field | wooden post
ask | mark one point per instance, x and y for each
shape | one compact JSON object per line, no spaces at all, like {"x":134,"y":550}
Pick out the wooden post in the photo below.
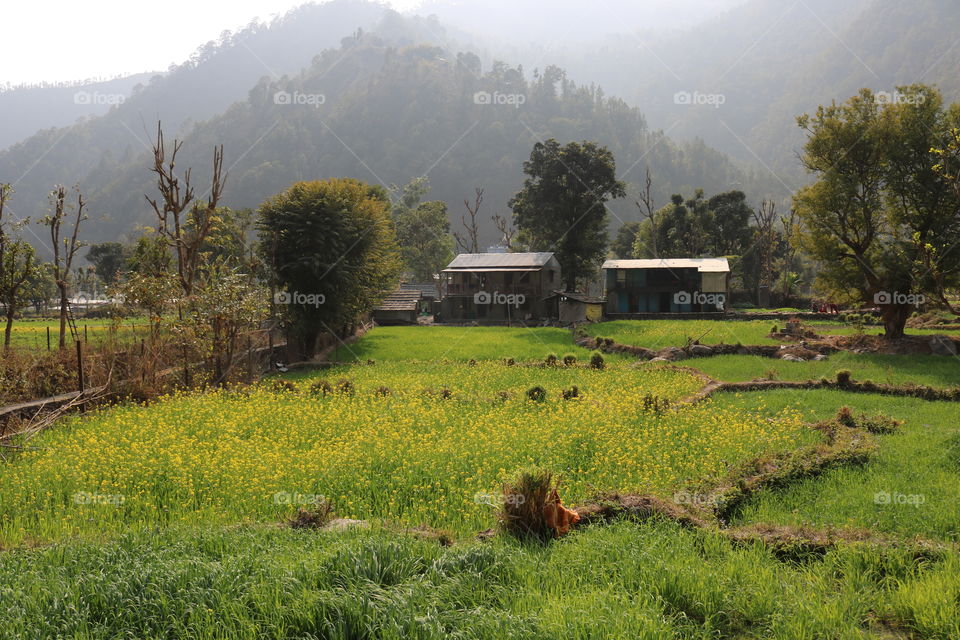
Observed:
{"x":250,"y":373}
{"x":48,"y":338}
{"x":269,"y":349}
{"x":85,"y":340}
{"x":80,"y":374}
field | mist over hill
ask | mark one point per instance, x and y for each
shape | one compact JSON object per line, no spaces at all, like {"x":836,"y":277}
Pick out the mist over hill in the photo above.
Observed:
{"x":704,"y":93}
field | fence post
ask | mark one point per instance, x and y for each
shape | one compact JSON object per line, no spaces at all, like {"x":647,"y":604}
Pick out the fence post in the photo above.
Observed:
{"x":83,"y":407}
{"x":250,"y":373}
{"x":48,"y":338}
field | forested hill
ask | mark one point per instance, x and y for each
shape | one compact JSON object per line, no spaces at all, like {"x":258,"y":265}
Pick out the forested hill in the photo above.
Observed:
{"x":380,"y":112}
{"x":771,"y":61}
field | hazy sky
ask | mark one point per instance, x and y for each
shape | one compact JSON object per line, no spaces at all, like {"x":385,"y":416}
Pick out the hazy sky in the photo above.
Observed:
{"x":56,"y":40}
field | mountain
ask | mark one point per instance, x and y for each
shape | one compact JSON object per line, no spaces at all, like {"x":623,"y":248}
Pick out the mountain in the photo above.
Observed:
{"x":739,"y":78}
{"x":380,"y":107}
{"x":28,"y":109}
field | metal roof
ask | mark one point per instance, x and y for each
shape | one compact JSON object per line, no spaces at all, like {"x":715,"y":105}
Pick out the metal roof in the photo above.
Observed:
{"x":703,"y":265}
{"x":468,"y":261}
{"x":492,"y":269}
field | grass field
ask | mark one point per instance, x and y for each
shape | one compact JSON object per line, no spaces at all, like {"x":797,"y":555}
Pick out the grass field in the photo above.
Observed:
{"x":162,"y":521}
{"x":462,"y":344}
{"x":32,"y":334}
{"x":921,"y":464}
{"x":655,"y":334}
{"x":935,"y":371}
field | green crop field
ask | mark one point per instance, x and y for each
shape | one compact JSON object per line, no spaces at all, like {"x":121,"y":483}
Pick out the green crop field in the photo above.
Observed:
{"x":168,"y":520}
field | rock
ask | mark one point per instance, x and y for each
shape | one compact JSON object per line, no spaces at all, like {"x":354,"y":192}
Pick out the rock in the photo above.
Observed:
{"x":672,"y":353}
{"x":791,"y":358}
{"x":819,"y":357}
{"x":658,"y":359}
{"x":701,"y":350}
{"x":942,"y":345}
{"x":743,"y":351}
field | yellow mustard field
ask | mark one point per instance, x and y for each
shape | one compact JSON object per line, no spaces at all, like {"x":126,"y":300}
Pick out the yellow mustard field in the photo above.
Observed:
{"x":406,"y":443}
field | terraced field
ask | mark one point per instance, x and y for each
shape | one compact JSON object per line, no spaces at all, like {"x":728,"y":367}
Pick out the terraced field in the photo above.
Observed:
{"x":167,"y":520}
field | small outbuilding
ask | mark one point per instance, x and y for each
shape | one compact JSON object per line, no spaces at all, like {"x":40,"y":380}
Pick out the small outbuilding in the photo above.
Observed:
{"x":575,"y":307}
{"x":400,"y":307}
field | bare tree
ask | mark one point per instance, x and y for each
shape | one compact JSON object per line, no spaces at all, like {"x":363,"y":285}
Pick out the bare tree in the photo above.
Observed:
{"x":648,"y":209}
{"x":64,"y":248}
{"x":183,"y":222}
{"x":470,"y":243}
{"x":16,"y":268}
{"x":506,"y":229}
{"x":764,"y":218}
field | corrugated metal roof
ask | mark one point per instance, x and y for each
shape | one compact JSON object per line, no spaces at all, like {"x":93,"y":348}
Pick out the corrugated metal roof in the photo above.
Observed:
{"x":400,"y":300}
{"x":466,"y":261}
{"x":492,"y":269}
{"x":703,"y":265}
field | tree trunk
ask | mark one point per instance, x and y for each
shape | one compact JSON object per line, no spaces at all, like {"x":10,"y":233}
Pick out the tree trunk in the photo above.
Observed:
{"x":895,"y":319}
{"x":63,"y":317}
{"x":9,"y":328}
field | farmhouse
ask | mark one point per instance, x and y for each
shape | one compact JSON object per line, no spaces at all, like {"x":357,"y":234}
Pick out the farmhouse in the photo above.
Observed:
{"x":673,"y":285}
{"x":498,"y":287}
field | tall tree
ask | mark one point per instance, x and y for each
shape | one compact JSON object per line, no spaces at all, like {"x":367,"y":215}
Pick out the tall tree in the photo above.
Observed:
{"x":16,"y":267}
{"x":184,"y":222}
{"x":470,"y":241}
{"x":561,"y":207}
{"x":65,"y":247}
{"x":332,"y":247}
{"x":108,"y":259}
{"x":423,"y":231}
{"x":879,"y":217}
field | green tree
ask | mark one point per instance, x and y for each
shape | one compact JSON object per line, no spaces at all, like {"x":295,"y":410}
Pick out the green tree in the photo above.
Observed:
{"x":332,"y":246}
{"x":423,"y":231}
{"x":879,"y":217}
{"x":561,"y":207}
{"x":108,"y":259}
{"x":16,"y":268}
{"x":623,"y":242}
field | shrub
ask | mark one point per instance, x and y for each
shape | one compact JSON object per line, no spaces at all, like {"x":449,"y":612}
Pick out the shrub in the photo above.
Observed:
{"x":344,"y":386}
{"x":569,"y":360}
{"x":383,"y":391}
{"x":371,"y":362}
{"x":314,"y":518}
{"x":844,"y":377}
{"x":596,"y":360}
{"x":472,"y":363}
{"x":321,"y":387}
{"x":551,"y":360}
{"x":572,"y":393}
{"x":282,"y":386}
{"x":510,"y":362}
{"x":537,"y":394}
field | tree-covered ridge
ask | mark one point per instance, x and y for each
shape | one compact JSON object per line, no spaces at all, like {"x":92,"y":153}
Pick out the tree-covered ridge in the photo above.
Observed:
{"x":385,"y":114}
